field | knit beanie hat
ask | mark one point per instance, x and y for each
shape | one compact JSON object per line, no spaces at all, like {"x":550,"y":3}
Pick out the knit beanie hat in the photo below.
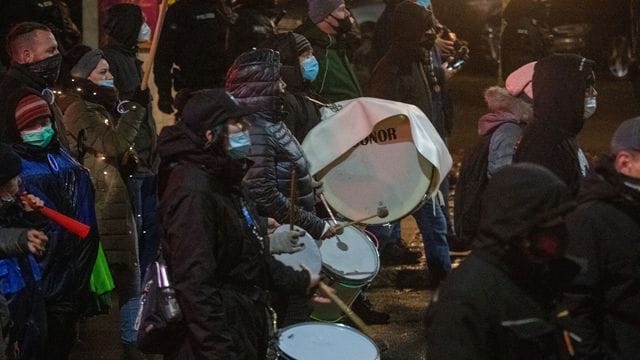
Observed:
{"x":320,"y":9}
{"x":30,"y":109}
{"x":10,"y":163}
{"x":87,"y":63}
{"x":302,"y":44}
{"x":627,"y":136}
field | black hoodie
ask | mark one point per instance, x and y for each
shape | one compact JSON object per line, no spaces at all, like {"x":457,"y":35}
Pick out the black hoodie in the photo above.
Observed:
{"x":559,"y":82}
{"x":219,"y":265}
{"x":499,"y":304}
{"x":604,"y":236}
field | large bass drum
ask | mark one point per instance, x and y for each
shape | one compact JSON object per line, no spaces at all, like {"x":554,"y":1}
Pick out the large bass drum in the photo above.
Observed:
{"x":374,"y":153}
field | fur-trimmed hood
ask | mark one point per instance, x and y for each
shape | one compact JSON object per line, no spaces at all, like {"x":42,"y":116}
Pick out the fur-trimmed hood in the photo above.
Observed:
{"x":503,"y":107}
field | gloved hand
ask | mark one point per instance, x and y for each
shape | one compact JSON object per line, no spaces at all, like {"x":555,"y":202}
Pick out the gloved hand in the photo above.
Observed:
{"x":165,"y":104}
{"x":286,"y":242}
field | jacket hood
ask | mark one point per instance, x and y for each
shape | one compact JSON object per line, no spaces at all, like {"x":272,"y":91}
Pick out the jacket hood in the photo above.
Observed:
{"x":409,"y":23}
{"x":254,"y":80}
{"x":517,"y":198}
{"x":559,"y":84}
{"x":503,"y":108}
{"x":605,"y":184}
{"x":123,"y":24}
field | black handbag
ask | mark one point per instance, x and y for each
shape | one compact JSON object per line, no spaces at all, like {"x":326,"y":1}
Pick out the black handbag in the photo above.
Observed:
{"x":159,"y":323}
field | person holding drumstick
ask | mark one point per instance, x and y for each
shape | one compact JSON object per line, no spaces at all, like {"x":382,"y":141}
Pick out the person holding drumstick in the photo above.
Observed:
{"x":215,"y":246}
{"x":254,"y":80}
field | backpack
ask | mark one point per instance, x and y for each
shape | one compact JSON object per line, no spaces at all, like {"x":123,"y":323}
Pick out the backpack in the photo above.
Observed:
{"x":471,"y":184}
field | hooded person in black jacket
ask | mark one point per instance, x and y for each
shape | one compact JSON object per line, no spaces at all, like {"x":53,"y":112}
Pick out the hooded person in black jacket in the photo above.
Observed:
{"x":216,"y":248}
{"x":499,"y":304}
{"x":565,"y":98}
{"x":401,"y":74}
{"x":605,"y":238}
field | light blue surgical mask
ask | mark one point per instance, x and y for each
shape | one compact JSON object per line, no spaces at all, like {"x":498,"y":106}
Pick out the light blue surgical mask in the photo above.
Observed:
{"x":106,"y":83}
{"x":239,"y":144}
{"x":310,"y":68}
{"x":424,"y":3}
{"x":40,"y":137}
{"x":590,"y":105}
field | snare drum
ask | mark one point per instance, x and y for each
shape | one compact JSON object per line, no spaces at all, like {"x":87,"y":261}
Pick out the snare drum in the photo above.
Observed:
{"x":321,"y":341}
{"x":310,"y":256}
{"x":349,"y":261}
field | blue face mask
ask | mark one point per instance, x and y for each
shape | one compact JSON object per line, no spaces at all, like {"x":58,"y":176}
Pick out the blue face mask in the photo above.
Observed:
{"x":106,"y":83}
{"x":239,"y":144}
{"x":40,"y":137}
{"x":423,"y":3}
{"x":310,"y":68}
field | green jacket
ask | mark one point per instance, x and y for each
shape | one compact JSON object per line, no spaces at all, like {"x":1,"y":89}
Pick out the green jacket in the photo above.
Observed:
{"x":102,"y":144}
{"x":336,"y":80}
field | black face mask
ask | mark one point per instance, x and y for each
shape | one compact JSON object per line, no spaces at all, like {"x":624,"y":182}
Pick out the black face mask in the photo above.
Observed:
{"x":549,"y":242}
{"x":46,"y":70}
{"x":344,"y":25}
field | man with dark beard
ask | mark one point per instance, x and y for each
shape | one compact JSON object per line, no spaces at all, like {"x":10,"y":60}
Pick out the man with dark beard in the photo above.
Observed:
{"x":499,"y":304}
{"x":605,"y":237}
{"x":215,"y":246}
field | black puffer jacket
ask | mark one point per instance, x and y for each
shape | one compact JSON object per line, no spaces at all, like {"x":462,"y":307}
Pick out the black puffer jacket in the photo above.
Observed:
{"x":499,"y":304}
{"x":220,"y":268}
{"x":559,"y":82}
{"x":254,"y":81}
{"x":605,"y":236}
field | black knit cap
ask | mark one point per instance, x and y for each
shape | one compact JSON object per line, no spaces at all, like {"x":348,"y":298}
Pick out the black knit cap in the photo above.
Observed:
{"x":10,"y":163}
{"x":209,"y":108}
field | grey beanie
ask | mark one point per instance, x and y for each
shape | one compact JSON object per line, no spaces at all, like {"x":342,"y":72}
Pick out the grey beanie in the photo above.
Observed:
{"x":627,"y":136}
{"x":86,"y":64}
{"x":320,"y":9}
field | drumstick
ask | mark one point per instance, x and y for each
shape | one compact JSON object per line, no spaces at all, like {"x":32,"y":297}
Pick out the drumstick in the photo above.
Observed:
{"x":336,"y":300}
{"x":324,"y":202}
{"x":292,"y":200}
{"x":381,"y":213}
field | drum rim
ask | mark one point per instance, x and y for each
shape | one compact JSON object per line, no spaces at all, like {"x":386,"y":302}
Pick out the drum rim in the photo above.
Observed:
{"x":306,"y":323}
{"x":346,"y":281}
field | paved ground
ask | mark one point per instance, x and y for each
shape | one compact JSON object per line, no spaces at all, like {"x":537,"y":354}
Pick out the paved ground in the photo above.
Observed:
{"x":99,"y":336}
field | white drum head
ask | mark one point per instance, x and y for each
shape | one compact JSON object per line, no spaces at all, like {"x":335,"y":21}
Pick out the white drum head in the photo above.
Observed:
{"x":319,"y":341}
{"x":383,"y":169}
{"x":350,"y":257}
{"x":309,"y":257}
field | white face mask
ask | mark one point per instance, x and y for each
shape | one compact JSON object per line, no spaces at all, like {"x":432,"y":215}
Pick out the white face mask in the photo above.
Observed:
{"x":589,"y":106}
{"x":145,"y":33}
